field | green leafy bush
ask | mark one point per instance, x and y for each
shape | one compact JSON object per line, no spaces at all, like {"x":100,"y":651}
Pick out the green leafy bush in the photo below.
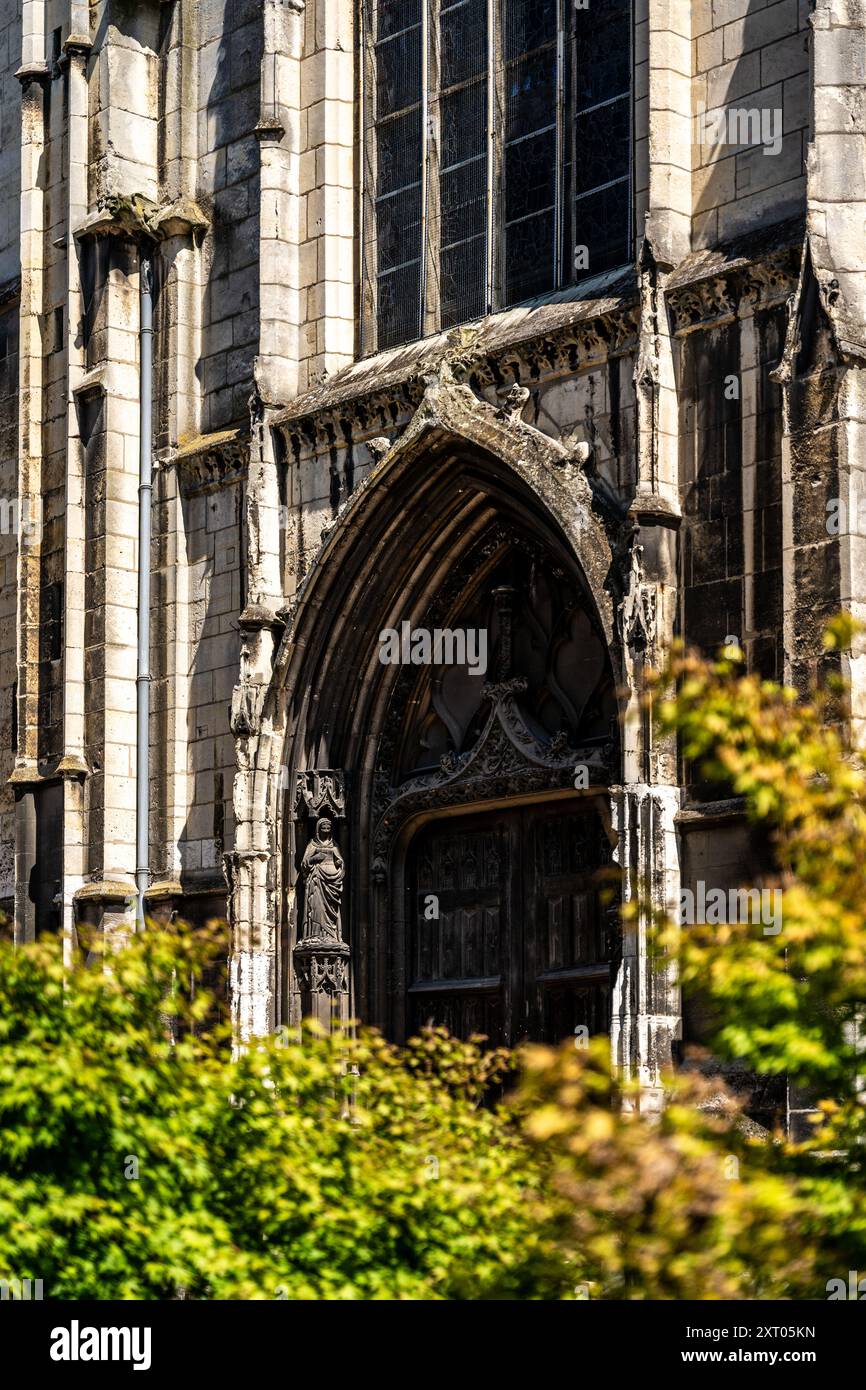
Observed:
{"x":140,"y":1159}
{"x":134,"y":1166}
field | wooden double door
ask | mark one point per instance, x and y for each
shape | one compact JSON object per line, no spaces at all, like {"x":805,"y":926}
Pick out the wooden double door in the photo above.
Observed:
{"x":512,"y":923}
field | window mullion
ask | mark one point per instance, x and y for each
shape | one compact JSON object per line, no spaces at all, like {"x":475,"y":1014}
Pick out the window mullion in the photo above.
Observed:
{"x":560,"y":123}
{"x":425,"y":159}
{"x":497,"y":175}
{"x":431,"y":103}
{"x":490,"y":249}
{"x":367,"y":216}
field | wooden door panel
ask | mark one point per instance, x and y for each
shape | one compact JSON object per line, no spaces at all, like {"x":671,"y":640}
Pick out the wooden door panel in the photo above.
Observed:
{"x":518,"y":946}
{"x":462,"y":943}
{"x":464,"y":1015}
{"x":574,"y":928}
{"x":567,"y":1007}
{"x":568,"y":966}
{"x":457,"y":878}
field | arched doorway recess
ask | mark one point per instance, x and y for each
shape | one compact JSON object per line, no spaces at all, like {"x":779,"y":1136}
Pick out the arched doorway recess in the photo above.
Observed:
{"x":471,"y":516}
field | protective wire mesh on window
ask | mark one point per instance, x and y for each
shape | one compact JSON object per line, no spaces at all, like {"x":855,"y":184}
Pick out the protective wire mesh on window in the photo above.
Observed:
{"x":497,"y":151}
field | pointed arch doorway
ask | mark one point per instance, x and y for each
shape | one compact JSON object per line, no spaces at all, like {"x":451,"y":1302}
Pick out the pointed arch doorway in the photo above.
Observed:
{"x":472,"y":521}
{"x":498,"y":910}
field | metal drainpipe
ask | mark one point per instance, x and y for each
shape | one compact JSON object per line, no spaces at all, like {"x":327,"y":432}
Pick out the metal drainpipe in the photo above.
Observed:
{"x":142,"y":680}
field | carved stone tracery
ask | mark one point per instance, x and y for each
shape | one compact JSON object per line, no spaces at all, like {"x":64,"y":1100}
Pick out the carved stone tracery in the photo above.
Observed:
{"x":322,"y":971}
{"x":512,"y":756}
{"x":637,"y":610}
{"x":716,"y":298}
{"x":320,"y":792}
{"x":246,"y":709}
{"x":473,"y":359}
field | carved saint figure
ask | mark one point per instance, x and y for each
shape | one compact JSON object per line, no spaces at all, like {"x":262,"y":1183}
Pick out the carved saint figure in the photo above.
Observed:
{"x":323,"y":872}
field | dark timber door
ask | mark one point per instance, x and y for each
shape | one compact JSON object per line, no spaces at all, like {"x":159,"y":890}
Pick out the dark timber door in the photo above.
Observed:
{"x":508,"y":933}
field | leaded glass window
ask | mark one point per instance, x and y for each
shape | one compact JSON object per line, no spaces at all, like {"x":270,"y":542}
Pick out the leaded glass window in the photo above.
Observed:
{"x":529,"y":174}
{"x":497,"y":152}
{"x":399,"y":190}
{"x":462,"y":152}
{"x":599,"y":133}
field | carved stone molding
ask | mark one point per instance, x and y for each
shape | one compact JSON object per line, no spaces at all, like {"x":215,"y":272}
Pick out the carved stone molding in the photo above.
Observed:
{"x":365,"y":418}
{"x":207,"y":467}
{"x":379,"y":872}
{"x":509,"y":760}
{"x":322,"y":967}
{"x":774,"y":280}
{"x":513,"y":404}
{"x":320,"y":792}
{"x":489,"y":549}
{"x":713,"y":299}
{"x":331,"y":416}
{"x":703,"y":304}
{"x":637,"y":611}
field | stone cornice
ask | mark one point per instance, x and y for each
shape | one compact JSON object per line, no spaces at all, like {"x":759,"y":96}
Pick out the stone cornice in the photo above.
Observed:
{"x":718,"y":299}
{"x":105,"y":890}
{"x":210,"y":461}
{"x":697,"y":814}
{"x":378,"y":408}
{"x":78,"y":45}
{"x":715,"y":286}
{"x":33,"y":72}
{"x":121,"y":216}
{"x":163,"y":888}
{"x":28,"y":775}
{"x":256,"y":616}
{"x":180,"y":218}
{"x":269,"y":128}
{"x":72,"y":766}
{"x":560,"y":334}
{"x":651,"y":508}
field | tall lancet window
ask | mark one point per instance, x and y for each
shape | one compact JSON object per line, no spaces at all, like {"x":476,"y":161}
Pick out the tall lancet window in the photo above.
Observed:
{"x":497,"y":156}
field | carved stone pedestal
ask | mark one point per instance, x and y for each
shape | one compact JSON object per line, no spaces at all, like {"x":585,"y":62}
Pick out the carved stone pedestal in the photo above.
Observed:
{"x":322,"y":971}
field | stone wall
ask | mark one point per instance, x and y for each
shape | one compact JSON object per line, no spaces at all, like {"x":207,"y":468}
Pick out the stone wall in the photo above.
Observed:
{"x":751,"y":65}
{"x":328,"y":93}
{"x":8,"y":590}
{"x":10,"y":139}
{"x":10,"y":184}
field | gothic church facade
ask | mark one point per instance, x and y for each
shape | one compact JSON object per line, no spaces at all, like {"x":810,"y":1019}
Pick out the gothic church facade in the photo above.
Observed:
{"x":527,"y":324}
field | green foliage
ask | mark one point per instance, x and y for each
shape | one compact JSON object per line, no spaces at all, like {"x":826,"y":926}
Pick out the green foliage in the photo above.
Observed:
{"x":787,"y":1003}
{"x":679,"y":1205}
{"x":139,"y":1158}
{"x":309,"y":1167}
{"x":791,"y":1003}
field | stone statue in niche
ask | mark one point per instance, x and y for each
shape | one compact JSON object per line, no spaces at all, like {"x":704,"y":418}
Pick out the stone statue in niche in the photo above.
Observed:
{"x":323,"y":872}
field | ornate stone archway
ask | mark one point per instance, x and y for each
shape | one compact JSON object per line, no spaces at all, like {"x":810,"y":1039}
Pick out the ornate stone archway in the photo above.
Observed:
{"x":465,"y":479}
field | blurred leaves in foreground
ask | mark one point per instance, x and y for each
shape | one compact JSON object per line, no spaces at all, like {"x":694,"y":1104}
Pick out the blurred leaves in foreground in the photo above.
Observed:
{"x":140,"y":1159}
